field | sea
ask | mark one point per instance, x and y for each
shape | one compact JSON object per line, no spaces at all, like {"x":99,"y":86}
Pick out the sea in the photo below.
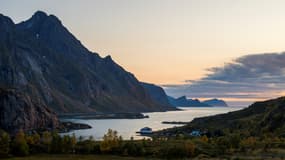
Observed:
{"x":127,"y":128}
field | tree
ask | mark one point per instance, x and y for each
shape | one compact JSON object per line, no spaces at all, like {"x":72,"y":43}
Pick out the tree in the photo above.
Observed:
{"x":4,"y":144}
{"x":57,"y":143}
{"x":33,"y":139}
{"x":34,"y":143}
{"x":110,"y":141}
{"x":73,"y":142}
{"x":46,"y":140}
{"x":68,"y":143}
{"x":65,"y":144}
{"x":20,"y":146}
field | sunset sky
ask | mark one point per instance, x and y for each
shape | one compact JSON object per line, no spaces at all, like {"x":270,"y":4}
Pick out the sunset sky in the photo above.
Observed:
{"x":180,"y":44}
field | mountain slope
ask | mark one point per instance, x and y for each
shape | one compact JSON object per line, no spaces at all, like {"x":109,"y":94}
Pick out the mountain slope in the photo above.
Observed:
{"x":20,"y":111}
{"x":157,"y":94}
{"x":41,"y":58}
{"x":258,"y":119}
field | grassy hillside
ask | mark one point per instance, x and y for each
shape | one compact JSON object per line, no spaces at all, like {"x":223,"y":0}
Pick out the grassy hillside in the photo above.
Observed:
{"x":259,"y":119}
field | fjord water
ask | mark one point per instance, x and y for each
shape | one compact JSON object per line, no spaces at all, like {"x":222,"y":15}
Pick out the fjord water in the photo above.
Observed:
{"x":127,"y":127}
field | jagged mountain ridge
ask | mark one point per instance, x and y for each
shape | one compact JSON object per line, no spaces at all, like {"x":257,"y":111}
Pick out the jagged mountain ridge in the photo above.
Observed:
{"x":41,"y":58}
{"x":183,"y":101}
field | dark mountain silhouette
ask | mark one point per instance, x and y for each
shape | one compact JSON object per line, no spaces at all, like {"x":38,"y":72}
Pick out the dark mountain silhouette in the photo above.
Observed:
{"x":216,"y":103}
{"x":43,"y":61}
{"x":157,"y":94}
{"x":184,"y":102}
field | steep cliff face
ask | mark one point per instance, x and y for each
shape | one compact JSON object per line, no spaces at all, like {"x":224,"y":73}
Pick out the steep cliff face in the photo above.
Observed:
{"x":20,"y":111}
{"x":42,"y":59}
{"x":157,"y":94}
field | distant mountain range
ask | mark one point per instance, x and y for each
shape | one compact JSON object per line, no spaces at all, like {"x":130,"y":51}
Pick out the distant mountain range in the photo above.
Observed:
{"x":184,"y":102}
{"x":45,"y":69}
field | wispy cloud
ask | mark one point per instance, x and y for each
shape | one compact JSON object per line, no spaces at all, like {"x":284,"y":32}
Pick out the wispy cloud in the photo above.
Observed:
{"x":258,"y":76}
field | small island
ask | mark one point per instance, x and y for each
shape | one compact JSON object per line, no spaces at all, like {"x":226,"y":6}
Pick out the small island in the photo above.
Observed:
{"x":174,"y":122}
{"x":102,"y":116}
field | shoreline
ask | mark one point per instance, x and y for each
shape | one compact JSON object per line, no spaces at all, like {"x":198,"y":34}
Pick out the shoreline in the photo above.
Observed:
{"x":87,"y":116}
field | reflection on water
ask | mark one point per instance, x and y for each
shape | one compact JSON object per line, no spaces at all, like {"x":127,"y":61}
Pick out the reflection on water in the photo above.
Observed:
{"x":128,"y":127}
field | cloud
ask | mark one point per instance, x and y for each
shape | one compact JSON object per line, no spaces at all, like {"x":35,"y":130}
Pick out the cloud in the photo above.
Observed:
{"x":258,"y":76}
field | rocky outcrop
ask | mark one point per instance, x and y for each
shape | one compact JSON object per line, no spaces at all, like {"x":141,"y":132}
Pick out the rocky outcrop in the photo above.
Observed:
{"x":41,"y":58}
{"x":20,"y":111}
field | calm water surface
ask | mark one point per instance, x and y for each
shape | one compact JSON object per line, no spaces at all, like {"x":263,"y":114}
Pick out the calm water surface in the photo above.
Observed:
{"x":127,"y":127}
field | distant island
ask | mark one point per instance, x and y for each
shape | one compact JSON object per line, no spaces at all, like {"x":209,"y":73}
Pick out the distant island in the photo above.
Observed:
{"x":184,"y":102}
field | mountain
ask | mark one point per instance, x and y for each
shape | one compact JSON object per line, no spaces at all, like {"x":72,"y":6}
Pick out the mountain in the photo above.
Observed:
{"x":20,"y":111}
{"x":157,"y":94}
{"x":184,"y":102}
{"x":172,"y":101}
{"x":43,"y":60}
{"x":260,"y":118}
{"x":216,"y":103}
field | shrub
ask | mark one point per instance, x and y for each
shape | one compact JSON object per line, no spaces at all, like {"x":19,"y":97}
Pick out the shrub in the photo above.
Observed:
{"x":4,"y":144}
{"x":19,"y":144}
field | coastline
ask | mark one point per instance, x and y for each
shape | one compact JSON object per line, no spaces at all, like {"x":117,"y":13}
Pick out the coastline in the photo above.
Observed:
{"x":87,"y":116}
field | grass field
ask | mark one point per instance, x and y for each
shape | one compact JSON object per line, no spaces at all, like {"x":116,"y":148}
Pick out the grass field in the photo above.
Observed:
{"x":77,"y":157}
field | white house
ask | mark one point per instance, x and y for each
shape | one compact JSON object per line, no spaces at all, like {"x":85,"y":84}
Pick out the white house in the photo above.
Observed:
{"x":146,"y":130}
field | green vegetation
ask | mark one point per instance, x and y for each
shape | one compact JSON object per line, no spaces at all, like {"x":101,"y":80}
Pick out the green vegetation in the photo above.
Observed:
{"x":50,"y":145}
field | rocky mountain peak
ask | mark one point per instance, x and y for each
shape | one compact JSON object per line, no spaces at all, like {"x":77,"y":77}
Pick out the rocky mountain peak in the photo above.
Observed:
{"x":5,"y":23}
{"x":39,"y":15}
{"x":51,"y":31}
{"x":5,"y":20}
{"x":40,"y":21}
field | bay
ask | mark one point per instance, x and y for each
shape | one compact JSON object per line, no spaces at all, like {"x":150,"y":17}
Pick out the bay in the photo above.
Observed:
{"x":127,"y":128}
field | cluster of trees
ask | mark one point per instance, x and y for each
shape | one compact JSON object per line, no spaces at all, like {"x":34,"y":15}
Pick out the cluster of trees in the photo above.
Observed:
{"x":24,"y":144}
{"x":52,"y":143}
{"x":180,"y":146}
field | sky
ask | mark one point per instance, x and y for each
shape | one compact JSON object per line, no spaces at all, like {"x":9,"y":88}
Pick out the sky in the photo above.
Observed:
{"x":188,"y":46}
